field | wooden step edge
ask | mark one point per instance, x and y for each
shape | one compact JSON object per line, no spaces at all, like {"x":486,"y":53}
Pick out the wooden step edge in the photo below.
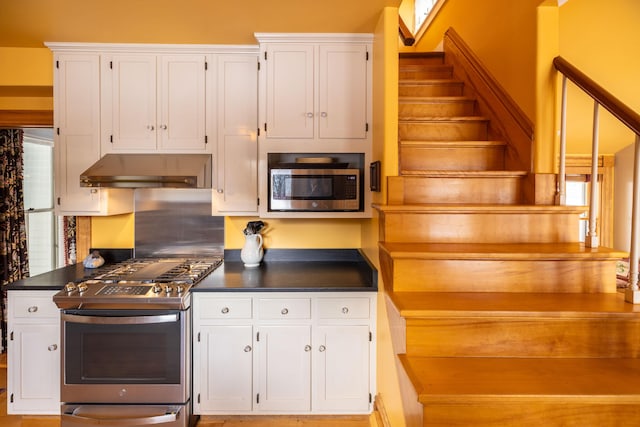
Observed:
{"x":507,"y":380}
{"x":429,"y":82}
{"x":411,"y":143}
{"x":479,"y":208}
{"x":425,"y":66}
{"x":434,"y":99}
{"x":504,"y":251}
{"x":417,"y":307}
{"x":440,"y":119}
{"x":429,"y":54}
{"x":464,"y":174}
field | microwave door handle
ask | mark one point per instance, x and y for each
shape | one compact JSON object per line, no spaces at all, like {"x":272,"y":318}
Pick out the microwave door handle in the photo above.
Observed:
{"x":114,"y":320}
{"x":170,"y":415}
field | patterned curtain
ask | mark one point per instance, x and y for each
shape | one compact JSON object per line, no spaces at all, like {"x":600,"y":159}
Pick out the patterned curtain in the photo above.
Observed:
{"x":14,"y":264}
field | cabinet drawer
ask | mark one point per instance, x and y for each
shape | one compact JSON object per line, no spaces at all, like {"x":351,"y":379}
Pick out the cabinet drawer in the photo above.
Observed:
{"x":227,"y":308}
{"x":284,"y":308}
{"x":29,"y":306}
{"x":343,"y":308}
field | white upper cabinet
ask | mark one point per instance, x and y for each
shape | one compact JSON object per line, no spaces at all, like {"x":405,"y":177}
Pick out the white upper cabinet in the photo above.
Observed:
{"x":315,"y":87}
{"x":154,"y":103}
{"x":77,"y":138}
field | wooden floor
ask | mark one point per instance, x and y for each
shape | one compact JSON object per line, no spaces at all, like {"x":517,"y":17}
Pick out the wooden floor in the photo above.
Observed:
{"x":208,"y":421}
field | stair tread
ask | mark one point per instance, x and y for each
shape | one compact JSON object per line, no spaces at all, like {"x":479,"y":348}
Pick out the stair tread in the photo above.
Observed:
{"x":479,"y":208}
{"x":433,"y":99}
{"x":463,"y":174}
{"x":428,"y":82}
{"x":422,"y":305}
{"x":473,"y":380}
{"x":452,"y":144}
{"x":529,"y":251}
{"x":441,"y":119}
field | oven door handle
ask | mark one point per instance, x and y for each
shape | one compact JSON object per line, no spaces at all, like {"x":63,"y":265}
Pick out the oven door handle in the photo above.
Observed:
{"x":73,"y":416}
{"x":120,"y":320}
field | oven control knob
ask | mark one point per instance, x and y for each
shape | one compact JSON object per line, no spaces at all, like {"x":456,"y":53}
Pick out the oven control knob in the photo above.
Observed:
{"x":168,"y":289}
{"x":180,"y":289}
{"x":157,"y":288}
{"x":82,"y":287}
{"x":70,"y":287}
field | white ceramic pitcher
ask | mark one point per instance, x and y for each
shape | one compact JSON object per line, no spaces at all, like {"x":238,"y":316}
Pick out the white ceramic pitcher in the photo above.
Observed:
{"x":252,"y":252}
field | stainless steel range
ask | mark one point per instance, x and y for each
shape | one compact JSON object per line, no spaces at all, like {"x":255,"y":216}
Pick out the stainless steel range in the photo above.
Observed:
{"x":126,"y":353}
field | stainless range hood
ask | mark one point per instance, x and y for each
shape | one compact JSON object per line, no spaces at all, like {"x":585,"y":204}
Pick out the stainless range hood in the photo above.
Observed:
{"x":149,"y":171}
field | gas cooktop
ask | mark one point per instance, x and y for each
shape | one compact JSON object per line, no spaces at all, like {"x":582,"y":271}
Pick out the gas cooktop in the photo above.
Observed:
{"x":138,"y":283}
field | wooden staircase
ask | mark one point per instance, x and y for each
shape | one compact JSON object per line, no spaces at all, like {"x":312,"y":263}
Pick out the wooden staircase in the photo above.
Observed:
{"x":504,"y":318}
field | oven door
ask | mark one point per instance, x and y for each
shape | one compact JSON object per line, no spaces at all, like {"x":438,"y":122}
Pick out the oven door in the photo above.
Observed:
{"x":125,"y":356}
{"x":125,"y":416}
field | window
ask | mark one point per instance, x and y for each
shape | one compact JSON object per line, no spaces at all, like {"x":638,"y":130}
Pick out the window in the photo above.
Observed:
{"x":422,"y":10}
{"x":40,"y":220}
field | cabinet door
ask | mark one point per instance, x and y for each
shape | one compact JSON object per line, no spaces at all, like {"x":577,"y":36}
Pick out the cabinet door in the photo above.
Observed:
{"x":132,"y":92}
{"x":77,"y":136}
{"x":341,"y":368}
{"x":181,"y":101}
{"x":290,"y":105}
{"x":236,"y":188}
{"x":342,"y":91}
{"x":284,"y":368}
{"x":223,"y":361}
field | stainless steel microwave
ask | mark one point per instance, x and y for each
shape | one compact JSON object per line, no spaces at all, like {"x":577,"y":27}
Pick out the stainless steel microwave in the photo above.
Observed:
{"x":314,"y":189}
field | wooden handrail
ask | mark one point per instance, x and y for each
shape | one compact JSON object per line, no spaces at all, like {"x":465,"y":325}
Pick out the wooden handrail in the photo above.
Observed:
{"x":405,"y":33}
{"x":616,"y":107}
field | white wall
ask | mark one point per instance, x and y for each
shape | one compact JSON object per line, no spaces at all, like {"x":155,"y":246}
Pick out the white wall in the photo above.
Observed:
{"x":623,"y":197}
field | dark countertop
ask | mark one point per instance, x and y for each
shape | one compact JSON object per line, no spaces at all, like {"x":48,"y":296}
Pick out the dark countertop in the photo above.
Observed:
{"x":288,"y":270}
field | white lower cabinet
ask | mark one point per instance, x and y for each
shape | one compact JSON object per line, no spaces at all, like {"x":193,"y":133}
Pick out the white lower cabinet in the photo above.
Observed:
{"x":282,"y":353}
{"x":33,"y":375}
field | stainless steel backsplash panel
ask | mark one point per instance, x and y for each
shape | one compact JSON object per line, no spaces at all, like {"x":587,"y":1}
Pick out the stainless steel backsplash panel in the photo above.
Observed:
{"x":176,"y":223}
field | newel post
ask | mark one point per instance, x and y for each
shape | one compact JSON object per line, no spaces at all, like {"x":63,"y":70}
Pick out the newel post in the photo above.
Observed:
{"x":632,"y":293}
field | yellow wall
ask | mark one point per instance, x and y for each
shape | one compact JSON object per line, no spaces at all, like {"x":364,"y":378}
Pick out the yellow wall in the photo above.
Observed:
{"x":115,"y":231}
{"x":26,"y":79}
{"x":601,"y":39}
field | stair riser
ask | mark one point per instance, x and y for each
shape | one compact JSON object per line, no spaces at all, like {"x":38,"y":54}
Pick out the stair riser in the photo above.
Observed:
{"x":443,"y":131}
{"x":503,"y":275}
{"x":498,"y":336}
{"x":430,"y":89}
{"x":479,"y":227}
{"x":412,"y":190}
{"x":436,"y":108}
{"x":434,"y":60}
{"x":550,"y":412}
{"x":425,"y":72}
{"x":454,"y":158}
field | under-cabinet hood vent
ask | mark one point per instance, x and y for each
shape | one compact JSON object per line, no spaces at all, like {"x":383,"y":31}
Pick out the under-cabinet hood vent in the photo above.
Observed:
{"x":149,"y":171}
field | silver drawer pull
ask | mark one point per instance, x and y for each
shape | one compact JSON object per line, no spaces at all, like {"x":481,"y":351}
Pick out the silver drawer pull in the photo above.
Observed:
{"x":247,"y":349}
{"x":345,"y":310}
{"x":285,"y":311}
{"x":307,"y":348}
{"x":322,"y":348}
{"x":225,"y":310}
{"x":32,"y":309}
{"x":52,"y":347}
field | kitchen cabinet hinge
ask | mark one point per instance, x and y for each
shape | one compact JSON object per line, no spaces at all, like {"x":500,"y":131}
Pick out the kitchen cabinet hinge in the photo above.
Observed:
{"x":265,"y":127}
{"x":111,"y":65}
{"x":57,"y":64}
{"x":58,"y":201}
{"x":265,"y":55}
{"x":366,"y":127}
{"x":58,"y":131}
{"x":258,"y":398}
{"x":370,"y":398}
{"x":111,"y":139}
{"x":258,"y":65}
{"x":198,"y":397}
{"x":257,"y":336}
{"x":370,"y":337}
{"x":206,"y":139}
{"x":206,"y":66}
{"x":258,"y":201}
{"x":258,"y":130}
{"x":367,"y":56}
{"x":11,"y":336}
{"x":11,"y":399}
{"x":198,"y":336}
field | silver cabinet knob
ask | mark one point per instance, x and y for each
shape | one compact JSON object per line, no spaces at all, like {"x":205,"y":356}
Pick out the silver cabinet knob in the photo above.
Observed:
{"x":323,"y":114}
{"x":310,"y":115}
{"x":284,"y":311}
{"x":163,"y":127}
{"x":32,"y":309}
{"x":345,"y":310}
{"x":225,"y":310}
{"x":151,"y":127}
{"x":322,"y":348}
{"x":307,"y":348}
{"x":220,"y":190}
{"x":52,"y":347}
{"x":247,"y":349}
